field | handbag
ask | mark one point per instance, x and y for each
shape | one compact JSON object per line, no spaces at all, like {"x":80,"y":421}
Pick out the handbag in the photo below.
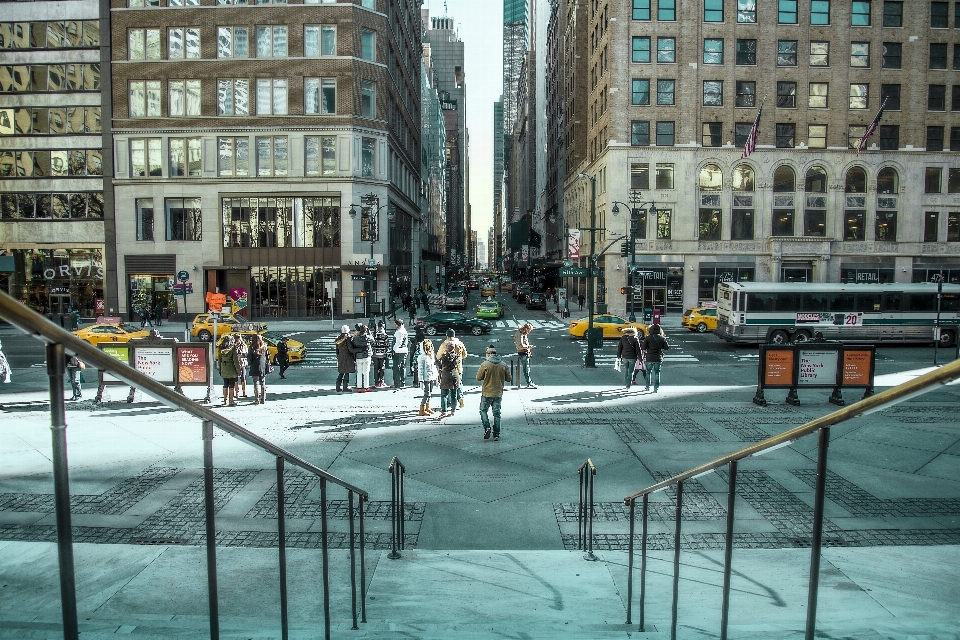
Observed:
{"x":616,"y":365}
{"x":639,"y":366}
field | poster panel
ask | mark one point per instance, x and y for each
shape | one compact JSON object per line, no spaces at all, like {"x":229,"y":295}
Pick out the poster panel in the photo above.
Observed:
{"x":192,"y":366}
{"x":573,"y":244}
{"x":778,"y":367}
{"x":818,"y":368}
{"x":117,"y":352}
{"x":156,"y":362}
{"x":856,"y":368}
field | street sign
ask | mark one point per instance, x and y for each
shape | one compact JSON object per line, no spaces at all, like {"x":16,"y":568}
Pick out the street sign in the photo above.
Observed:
{"x":371,"y":261}
{"x":574,"y":272}
{"x":183,"y":289}
{"x":370,"y":269}
{"x":363,"y":277}
{"x":183,"y":275}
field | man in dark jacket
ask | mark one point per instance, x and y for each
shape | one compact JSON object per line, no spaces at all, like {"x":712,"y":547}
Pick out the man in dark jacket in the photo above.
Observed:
{"x":283,"y":357}
{"x":654,"y":345}
{"x":628,"y":352}
{"x":346,"y":362}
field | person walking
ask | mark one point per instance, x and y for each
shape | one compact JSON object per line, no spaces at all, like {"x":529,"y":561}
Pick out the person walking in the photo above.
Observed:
{"x":5,"y":369}
{"x":74,"y":367}
{"x":228,"y":363}
{"x":628,"y":352}
{"x":363,"y":350}
{"x":399,"y":349}
{"x":418,"y":337}
{"x":450,"y":364}
{"x":580,"y":299}
{"x":241,"y":347}
{"x":412,"y":310}
{"x":283,"y":357}
{"x":427,"y":368}
{"x":492,"y":374}
{"x":453,"y":343}
{"x":426,"y":301}
{"x":346,"y":362}
{"x":258,"y":358}
{"x":381,"y":349}
{"x":158,"y":314}
{"x":524,"y":351}
{"x":654,"y":345}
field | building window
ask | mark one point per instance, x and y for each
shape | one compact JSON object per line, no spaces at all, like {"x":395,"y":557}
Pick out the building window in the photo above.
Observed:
{"x":955,"y":97}
{"x":712,"y":134}
{"x":860,"y":14}
{"x":185,"y":157}
{"x":819,"y":54}
{"x":368,"y":99}
{"x":889,"y":137}
{"x":784,"y":180}
{"x":710,"y":224}
{"x":892,"y":14}
{"x":183,"y":43}
{"x":320,"y":95}
{"x":368,"y":44}
{"x":888,"y":181}
{"x":936,"y":97}
{"x":271,"y":42}
{"x":953,"y":226}
{"x":935,"y":138}
{"x":320,"y":155}
{"x":713,"y":10}
{"x":233,"y":42}
{"x":938,"y":55}
{"x":786,"y":95}
{"x":665,"y":134}
{"x":817,"y":136}
{"x":271,"y":96}
{"x":272,"y":156}
{"x":782,"y":222}
{"x":641,"y":49}
{"x":931,"y":179}
{"x":856,"y":181}
{"x":713,"y":93}
{"x":931,"y":226}
{"x":664,"y":176}
{"x":860,"y":55}
{"x":143,"y":44}
{"x":858,"y":96}
{"x":817,"y":98}
{"x":939,"y":16}
{"x":183,"y":98}
{"x":953,"y":181}
{"x":666,"y":50}
{"x":814,"y":222}
{"x":367,"y":156}
{"x":666,"y":92}
{"x":234,"y":156}
{"x":854,"y":222}
{"x":183,"y":219}
{"x":741,"y":227}
{"x":854,"y":133}
{"x":144,"y":219}
{"x":640,"y":133}
{"x":786,"y":53}
{"x":233,"y":97}
{"x":746,"y":93}
{"x":320,"y":40}
{"x":369,"y":4}
{"x":820,"y":12}
{"x":641,"y":9}
{"x":886,"y":226}
{"x":713,"y":51}
{"x":787,"y":11}
{"x":663,"y":224}
{"x":892,"y":57}
{"x":145,"y":158}
{"x":747,"y":11}
{"x":666,"y":9}
{"x":640,"y":175}
{"x":954,"y":138}
{"x":956,"y":54}
{"x":891,"y":94}
{"x":144,"y":98}
{"x":786,"y":135}
{"x":741,"y":130}
{"x":746,"y":51}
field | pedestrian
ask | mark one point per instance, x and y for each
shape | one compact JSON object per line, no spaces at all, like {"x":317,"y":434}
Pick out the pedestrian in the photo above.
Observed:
{"x":405,"y":300}
{"x":450,"y":364}
{"x":74,"y":369}
{"x":144,"y":317}
{"x":283,"y":356}
{"x":258,"y":359}
{"x":363,"y":350}
{"x":346,"y":362}
{"x":426,"y":302}
{"x":524,"y":351}
{"x":158,"y":314}
{"x":412,"y":310}
{"x":628,"y":353}
{"x":492,"y":374}
{"x":381,"y":349}
{"x":427,"y":368}
{"x":241,"y":348}
{"x":228,"y":364}
{"x":418,"y":337}
{"x":399,"y":349}
{"x":453,"y":343}
{"x":654,"y":345}
{"x":5,"y":370}
{"x":580,"y":299}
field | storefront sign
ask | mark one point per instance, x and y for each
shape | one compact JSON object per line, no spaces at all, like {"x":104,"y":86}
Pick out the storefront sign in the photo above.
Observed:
{"x":239,"y":297}
{"x":216,"y":300}
{"x":98,"y":305}
{"x":66,"y":271}
{"x":155,"y":362}
{"x":192,"y":366}
{"x":118,"y":353}
{"x":818,"y":368}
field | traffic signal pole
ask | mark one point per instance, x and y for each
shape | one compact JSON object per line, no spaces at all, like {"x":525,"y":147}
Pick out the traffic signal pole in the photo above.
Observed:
{"x":589,"y":360}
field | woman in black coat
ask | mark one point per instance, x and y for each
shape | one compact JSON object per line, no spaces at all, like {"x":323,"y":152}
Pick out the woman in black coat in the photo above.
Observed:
{"x":418,"y":337}
{"x":346,"y":362}
{"x":258,"y":357}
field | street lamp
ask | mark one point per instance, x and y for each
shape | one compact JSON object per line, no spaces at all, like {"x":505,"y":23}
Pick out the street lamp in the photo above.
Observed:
{"x":590,"y":360}
{"x":636,"y":228}
{"x":554,"y":216}
{"x":372,"y":201}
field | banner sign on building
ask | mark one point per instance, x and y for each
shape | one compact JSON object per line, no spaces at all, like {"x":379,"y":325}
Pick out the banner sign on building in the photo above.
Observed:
{"x":573,"y":244}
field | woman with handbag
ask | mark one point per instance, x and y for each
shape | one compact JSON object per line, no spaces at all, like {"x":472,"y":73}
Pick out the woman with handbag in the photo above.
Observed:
{"x":258,"y":357}
{"x":628,"y":352}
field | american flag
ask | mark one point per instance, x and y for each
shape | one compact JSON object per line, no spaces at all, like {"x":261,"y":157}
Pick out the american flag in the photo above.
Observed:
{"x":871,"y":129}
{"x":751,"y":144}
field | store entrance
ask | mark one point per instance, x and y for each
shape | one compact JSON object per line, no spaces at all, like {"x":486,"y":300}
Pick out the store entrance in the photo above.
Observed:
{"x":60,"y":303}
{"x":655,"y":298}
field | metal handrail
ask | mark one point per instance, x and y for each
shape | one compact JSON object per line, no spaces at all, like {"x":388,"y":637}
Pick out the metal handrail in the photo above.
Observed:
{"x":587,"y":473}
{"x":58,"y":343}
{"x":397,"y":506}
{"x":910,"y":389}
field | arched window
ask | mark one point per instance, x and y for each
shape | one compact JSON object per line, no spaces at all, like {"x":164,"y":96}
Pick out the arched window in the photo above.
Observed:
{"x":743,"y":178}
{"x":856,"y":181}
{"x":888,"y":181}
{"x":815,"y":207}
{"x":816,"y":180}
{"x":784,"y":180}
{"x":711,"y":178}
{"x":744,"y":184}
{"x":888,"y":185}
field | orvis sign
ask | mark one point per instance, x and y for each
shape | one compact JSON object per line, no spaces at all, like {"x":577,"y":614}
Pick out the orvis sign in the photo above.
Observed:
{"x":66,"y":271}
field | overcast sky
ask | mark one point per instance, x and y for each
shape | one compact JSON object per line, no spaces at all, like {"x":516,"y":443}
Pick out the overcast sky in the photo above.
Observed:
{"x":480,"y":27}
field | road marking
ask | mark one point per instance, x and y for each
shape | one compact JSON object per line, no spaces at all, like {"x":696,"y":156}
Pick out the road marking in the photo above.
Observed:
{"x":295,"y":333}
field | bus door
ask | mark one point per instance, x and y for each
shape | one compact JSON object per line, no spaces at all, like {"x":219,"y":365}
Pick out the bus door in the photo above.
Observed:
{"x":891,"y":317}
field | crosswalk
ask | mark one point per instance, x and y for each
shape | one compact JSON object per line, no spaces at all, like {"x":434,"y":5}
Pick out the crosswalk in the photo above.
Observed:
{"x":607,"y":356}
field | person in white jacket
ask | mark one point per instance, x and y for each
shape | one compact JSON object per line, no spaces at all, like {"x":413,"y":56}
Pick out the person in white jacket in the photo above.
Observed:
{"x":427,"y":368}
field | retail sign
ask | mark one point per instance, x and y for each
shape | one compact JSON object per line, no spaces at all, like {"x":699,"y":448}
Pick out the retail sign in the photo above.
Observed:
{"x":216,"y":300}
{"x":98,"y":305}
{"x":67,"y":271}
{"x":239,"y":297}
{"x":183,"y":275}
{"x":121,"y":353}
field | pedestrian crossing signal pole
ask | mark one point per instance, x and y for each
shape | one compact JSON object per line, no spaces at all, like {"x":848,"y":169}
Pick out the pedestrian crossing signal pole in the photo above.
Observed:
{"x":589,"y":360}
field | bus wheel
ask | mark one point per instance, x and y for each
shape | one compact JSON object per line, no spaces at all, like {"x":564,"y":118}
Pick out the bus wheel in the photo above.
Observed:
{"x":801,"y":336}
{"x":947,"y":338}
{"x":779,"y":337}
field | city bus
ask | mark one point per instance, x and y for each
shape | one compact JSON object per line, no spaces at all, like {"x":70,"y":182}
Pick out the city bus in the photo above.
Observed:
{"x":782,"y":312}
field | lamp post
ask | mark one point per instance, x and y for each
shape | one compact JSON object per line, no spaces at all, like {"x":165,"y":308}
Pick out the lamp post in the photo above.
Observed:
{"x":371,"y":201}
{"x":566,"y":262}
{"x":635,"y":233}
{"x":936,"y":323}
{"x":589,"y":360}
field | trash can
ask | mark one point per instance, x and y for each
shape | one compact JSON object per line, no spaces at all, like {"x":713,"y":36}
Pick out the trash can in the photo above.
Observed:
{"x":595,"y":337}
{"x":647,"y":315}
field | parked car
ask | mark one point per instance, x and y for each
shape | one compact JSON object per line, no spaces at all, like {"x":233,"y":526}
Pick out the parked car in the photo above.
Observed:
{"x":700,"y":319}
{"x":456,"y":299}
{"x":612,"y":326}
{"x":106,"y":332}
{"x":202,"y":326}
{"x":490,"y":309}
{"x":439,"y":323}
{"x":536,"y":301}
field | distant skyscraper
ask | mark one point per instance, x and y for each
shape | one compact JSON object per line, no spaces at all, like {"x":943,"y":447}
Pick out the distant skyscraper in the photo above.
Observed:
{"x":516,"y":34}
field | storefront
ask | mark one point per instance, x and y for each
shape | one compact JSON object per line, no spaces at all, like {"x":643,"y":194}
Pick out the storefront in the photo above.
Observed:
{"x":711,"y":274}
{"x":58,"y":280}
{"x":662,"y":287}
{"x":928,"y":270}
{"x":150,"y":280}
{"x":883,"y":272}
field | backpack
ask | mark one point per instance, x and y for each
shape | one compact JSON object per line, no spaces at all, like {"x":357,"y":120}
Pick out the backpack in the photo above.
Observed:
{"x":380,"y":346}
{"x":449,"y":360}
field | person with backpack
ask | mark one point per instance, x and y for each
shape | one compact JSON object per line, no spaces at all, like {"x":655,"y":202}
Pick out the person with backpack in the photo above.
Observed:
{"x":241,"y":347}
{"x":380,"y":351}
{"x":654,"y":345}
{"x":449,"y":363}
{"x":453,"y":343}
{"x":628,"y":352}
{"x":399,"y":349}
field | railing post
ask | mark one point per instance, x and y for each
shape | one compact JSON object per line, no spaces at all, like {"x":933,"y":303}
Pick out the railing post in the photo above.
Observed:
{"x":56,"y":363}
{"x":282,"y":545}
{"x":633,"y":512}
{"x":823,"y":440}
{"x":324,"y":545}
{"x":396,"y":508}
{"x":209,"y":514}
{"x":353,"y":563}
{"x":728,"y":551}
{"x":643,"y":557}
{"x":581,"y":511}
{"x":591,"y":473}
{"x":676,"y":562}
{"x":363,"y":565}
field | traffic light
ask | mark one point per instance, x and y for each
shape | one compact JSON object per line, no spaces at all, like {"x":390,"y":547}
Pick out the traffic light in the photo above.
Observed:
{"x":625,"y":249}
{"x":623,"y":291}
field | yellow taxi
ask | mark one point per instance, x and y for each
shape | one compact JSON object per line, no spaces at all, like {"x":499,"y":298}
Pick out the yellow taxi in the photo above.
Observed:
{"x":612,"y":326}
{"x":700,"y":319}
{"x":202,"y":326}
{"x":488,"y":289}
{"x":296,"y":350}
{"x":110,"y":333}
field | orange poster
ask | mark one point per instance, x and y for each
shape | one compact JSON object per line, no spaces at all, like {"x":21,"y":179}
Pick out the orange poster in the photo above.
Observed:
{"x":856,"y":368}
{"x":216,"y":300}
{"x":778,"y":367}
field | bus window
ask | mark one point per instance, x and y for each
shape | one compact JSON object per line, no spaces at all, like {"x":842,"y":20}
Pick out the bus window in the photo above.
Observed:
{"x":891,"y":300}
{"x":737,"y":300}
{"x":950,"y":302}
{"x":868,"y":302}
{"x":788,"y":301}
{"x":815,"y":301}
{"x":761,"y":301}
{"x":841,"y":302}
{"x":921,"y":302}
